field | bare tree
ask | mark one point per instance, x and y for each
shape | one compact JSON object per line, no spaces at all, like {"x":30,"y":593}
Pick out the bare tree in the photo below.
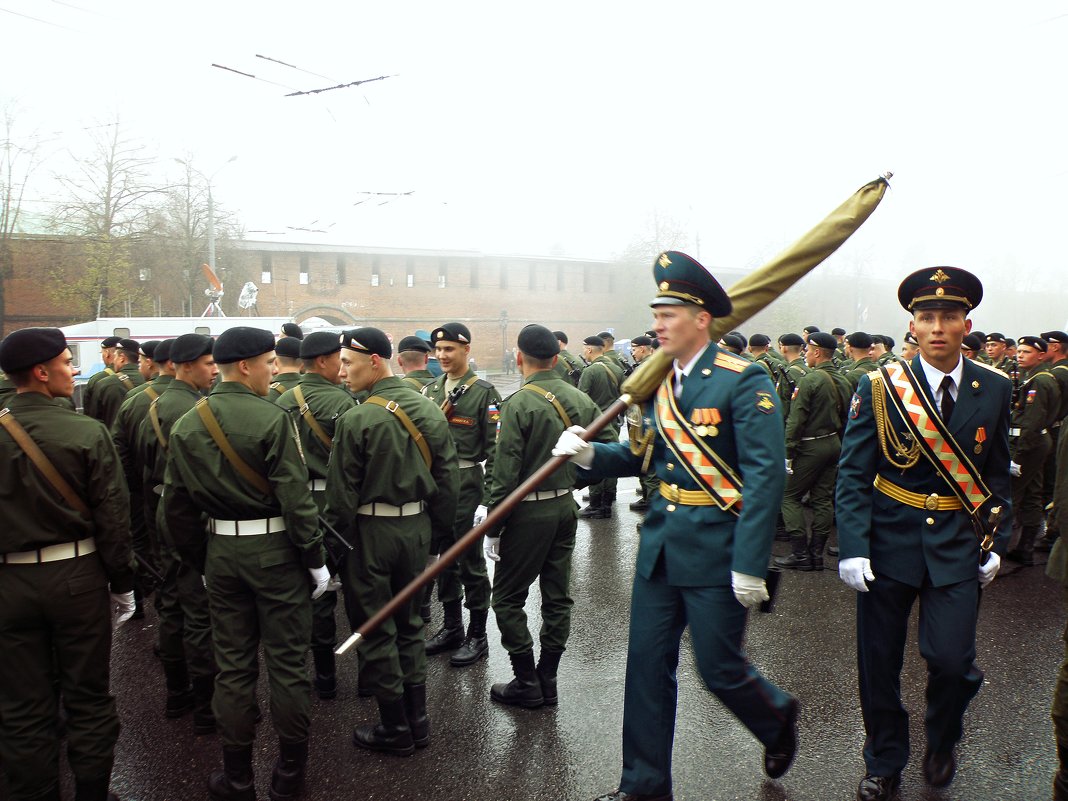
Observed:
{"x":17,"y":163}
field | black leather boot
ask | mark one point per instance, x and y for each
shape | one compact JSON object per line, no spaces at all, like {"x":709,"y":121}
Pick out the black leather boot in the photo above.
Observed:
{"x":89,"y":790}
{"x":203,"y":717}
{"x":1024,"y":552}
{"x":179,"y":693}
{"x":799,"y":559}
{"x":475,"y":645}
{"x":451,"y":634}
{"x":548,"y":664}
{"x":525,"y":689}
{"x":234,"y":782}
{"x":287,"y":780}
{"x":415,"y":711}
{"x":392,"y":736}
{"x":325,"y":672}
{"x":424,"y":605}
{"x":815,"y":552}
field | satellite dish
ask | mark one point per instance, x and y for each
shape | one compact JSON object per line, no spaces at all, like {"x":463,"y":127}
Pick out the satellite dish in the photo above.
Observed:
{"x":247,"y":298}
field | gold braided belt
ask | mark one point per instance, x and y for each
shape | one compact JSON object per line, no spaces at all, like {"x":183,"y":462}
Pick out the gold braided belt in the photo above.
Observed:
{"x":932,"y":503}
{"x":688,"y":497}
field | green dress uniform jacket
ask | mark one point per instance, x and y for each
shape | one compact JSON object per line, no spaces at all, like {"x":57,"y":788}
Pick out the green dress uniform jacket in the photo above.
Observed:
{"x":796,"y":370}
{"x":858,"y":369}
{"x":601,"y":381}
{"x":111,"y":392}
{"x":1033,"y":415}
{"x":819,"y":407}
{"x":418,"y":379}
{"x":327,"y":402}
{"x":568,"y":367}
{"x":281,"y":383}
{"x":88,"y":393}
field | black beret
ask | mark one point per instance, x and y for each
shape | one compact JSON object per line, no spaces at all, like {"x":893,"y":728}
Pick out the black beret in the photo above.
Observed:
{"x":368,"y":341}
{"x":791,"y":341}
{"x":451,"y":332}
{"x":560,"y":335}
{"x":111,"y":342}
{"x":741,"y":338}
{"x":607,"y":335}
{"x":596,"y":342}
{"x":1035,"y":342}
{"x":651,"y":334}
{"x":823,"y":340}
{"x":413,"y":343}
{"x":130,"y":345}
{"x":242,"y":342}
{"x":995,"y":337}
{"x":681,"y":279}
{"x":642,"y":340}
{"x":288,"y":347}
{"x":733,"y":341}
{"x":910,"y":339}
{"x":163,"y":351}
{"x":810,"y":328}
{"x":971,"y":341}
{"x":190,"y":347}
{"x":980,"y":334}
{"x":888,"y":341}
{"x":27,"y":347}
{"x":759,"y":340}
{"x":838,"y":332}
{"x":538,"y":342}
{"x":149,"y":348}
{"x":317,"y":343}
{"x":1010,"y":342}
{"x":1059,"y":337}
{"x":858,"y":339}
{"x":940,"y":288}
{"x":292,"y":330}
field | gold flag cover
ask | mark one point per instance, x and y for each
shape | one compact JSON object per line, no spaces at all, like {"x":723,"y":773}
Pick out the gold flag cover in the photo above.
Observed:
{"x":757,"y":290}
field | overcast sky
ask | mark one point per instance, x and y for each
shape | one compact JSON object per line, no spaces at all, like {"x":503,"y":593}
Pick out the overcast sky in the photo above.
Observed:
{"x":561,"y":127}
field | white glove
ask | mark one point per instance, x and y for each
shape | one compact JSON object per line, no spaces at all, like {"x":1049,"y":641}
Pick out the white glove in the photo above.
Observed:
{"x":1014,"y":469}
{"x":321,"y":577}
{"x":749,"y":590}
{"x":334,"y":584}
{"x":573,"y":445}
{"x":789,"y":467}
{"x":854,"y":570}
{"x":491,"y":546}
{"x":480,"y":514}
{"x":989,"y":570}
{"x":122,"y":608}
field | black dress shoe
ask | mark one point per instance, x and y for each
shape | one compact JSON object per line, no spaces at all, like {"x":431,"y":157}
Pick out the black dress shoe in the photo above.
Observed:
{"x":619,"y":795}
{"x":939,"y":768}
{"x":878,"y":788}
{"x":639,"y":506}
{"x":779,"y":756}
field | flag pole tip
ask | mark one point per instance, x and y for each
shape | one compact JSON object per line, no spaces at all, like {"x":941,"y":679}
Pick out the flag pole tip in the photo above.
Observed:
{"x":887,"y":175}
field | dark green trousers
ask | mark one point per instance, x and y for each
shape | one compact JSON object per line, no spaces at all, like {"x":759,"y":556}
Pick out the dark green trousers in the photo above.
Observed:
{"x":259,"y":594}
{"x":815,"y":472}
{"x":650,"y":485}
{"x":1027,"y":506}
{"x":536,"y":545}
{"x":55,"y":622}
{"x":324,"y":619}
{"x":388,"y":553}
{"x":467,"y":577}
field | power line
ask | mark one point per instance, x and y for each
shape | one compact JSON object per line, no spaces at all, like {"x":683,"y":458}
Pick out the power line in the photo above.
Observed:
{"x":340,"y":86}
{"x":37,"y":19}
{"x":293,"y":66}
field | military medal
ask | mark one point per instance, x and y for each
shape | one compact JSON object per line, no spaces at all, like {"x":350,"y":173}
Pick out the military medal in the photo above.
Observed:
{"x":980,"y":438}
{"x":706,"y":421}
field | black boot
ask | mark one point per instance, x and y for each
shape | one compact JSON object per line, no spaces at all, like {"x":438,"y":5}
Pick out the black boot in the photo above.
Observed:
{"x":325,"y":672}
{"x":234,"y":782}
{"x":203,"y":717}
{"x":815,"y":552}
{"x":415,"y":711}
{"x":525,"y":689}
{"x":424,"y":606}
{"x":451,"y":634}
{"x":392,"y":736}
{"x":139,"y":604}
{"x":179,"y":693}
{"x":1024,"y":552}
{"x":91,"y":790}
{"x":598,"y":512}
{"x":799,"y":559}
{"x":546,"y":670}
{"x":475,"y":645}
{"x":287,"y":780}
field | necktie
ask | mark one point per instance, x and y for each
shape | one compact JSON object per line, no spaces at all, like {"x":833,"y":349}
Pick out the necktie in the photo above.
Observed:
{"x":947,"y":398}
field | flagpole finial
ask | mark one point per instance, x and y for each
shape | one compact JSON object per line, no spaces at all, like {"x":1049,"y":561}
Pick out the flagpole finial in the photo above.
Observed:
{"x":888,"y":175}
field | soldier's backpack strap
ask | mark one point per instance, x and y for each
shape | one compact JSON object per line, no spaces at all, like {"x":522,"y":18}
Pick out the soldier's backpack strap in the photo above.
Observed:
{"x":560,"y":410}
{"x":239,"y":464}
{"x":37,"y":456}
{"x":309,"y":418}
{"x":153,"y":416}
{"x":417,"y":436}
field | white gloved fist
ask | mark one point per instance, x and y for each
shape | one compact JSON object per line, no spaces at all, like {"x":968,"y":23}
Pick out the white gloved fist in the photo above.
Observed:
{"x":789,"y":467}
{"x":122,"y":608}
{"x":749,"y":590}
{"x":1014,"y":469}
{"x":320,"y":577}
{"x":989,"y":570}
{"x":491,"y":546}
{"x":572,"y":444}
{"x":334,"y":584}
{"x":480,"y":514}
{"x":854,"y":570}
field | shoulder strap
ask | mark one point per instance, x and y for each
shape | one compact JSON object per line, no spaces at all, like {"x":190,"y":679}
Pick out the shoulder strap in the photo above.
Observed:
{"x":553,"y":400}
{"x":124,"y":380}
{"x":153,"y":416}
{"x":109,"y":371}
{"x":415,"y":382}
{"x":239,"y":464}
{"x":837,"y":395}
{"x":37,"y":456}
{"x":151,"y":392}
{"x":309,"y":418}
{"x":394,"y":408}
{"x":278,"y":387}
{"x":611,"y":376}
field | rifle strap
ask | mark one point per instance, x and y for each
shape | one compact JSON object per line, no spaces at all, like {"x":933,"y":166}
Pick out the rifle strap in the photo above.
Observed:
{"x":309,"y":418}
{"x":151,"y":392}
{"x":125,"y":381}
{"x":239,"y":464}
{"x":37,"y":456}
{"x":447,"y":406}
{"x":611,"y":376}
{"x":417,"y":436}
{"x":153,"y":416}
{"x":553,"y":400}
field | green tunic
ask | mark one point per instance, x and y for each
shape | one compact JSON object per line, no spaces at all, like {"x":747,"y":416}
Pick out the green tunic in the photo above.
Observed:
{"x":1035,"y":410}
{"x":326,"y":402}
{"x":857,"y":369}
{"x":568,"y":367}
{"x":795,"y":371}
{"x":111,"y":392}
{"x":89,"y":393}
{"x":418,"y":379}
{"x":281,"y":383}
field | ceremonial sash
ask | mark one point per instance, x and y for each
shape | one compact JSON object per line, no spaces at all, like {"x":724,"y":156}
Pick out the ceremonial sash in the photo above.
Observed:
{"x":932,"y":436}
{"x":704,"y":465}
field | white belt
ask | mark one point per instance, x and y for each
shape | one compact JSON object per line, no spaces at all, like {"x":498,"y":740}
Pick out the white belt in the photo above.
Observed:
{"x":51,"y":553}
{"x":246,"y":528}
{"x":465,"y":463}
{"x":1015,"y":432}
{"x":389,"y":510}
{"x":317,"y":485}
{"x":821,"y":436}
{"x":545,"y":495}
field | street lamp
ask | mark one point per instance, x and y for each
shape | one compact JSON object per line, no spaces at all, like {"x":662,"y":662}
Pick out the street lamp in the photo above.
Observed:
{"x":211,"y":204}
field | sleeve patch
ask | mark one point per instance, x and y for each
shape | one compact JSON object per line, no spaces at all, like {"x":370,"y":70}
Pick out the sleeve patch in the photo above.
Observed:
{"x":854,"y":407}
{"x":764,"y":402}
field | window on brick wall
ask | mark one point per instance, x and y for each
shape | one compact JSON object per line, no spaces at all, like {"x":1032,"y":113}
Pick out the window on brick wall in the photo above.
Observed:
{"x":410,"y":270}
{"x":304,"y":267}
{"x":375,"y":275}
{"x":340,"y":270}
{"x":266,"y":269}
{"x":443,"y":272}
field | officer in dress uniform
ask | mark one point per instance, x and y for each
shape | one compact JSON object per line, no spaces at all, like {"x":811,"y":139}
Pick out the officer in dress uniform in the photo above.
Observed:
{"x":392,"y":493}
{"x":601,"y":381}
{"x":567,"y":366}
{"x":701,"y":558}
{"x":412,"y":356}
{"x":536,"y":541}
{"x":236,"y":459}
{"x":929,"y":436}
{"x":111,"y":391}
{"x":287,"y":354}
{"x":315,"y":404}
{"x":56,"y":565}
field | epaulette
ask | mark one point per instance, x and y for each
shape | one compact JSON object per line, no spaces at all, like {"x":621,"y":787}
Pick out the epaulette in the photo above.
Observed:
{"x":989,"y":367}
{"x":484,"y":384}
{"x":728,"y":361}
